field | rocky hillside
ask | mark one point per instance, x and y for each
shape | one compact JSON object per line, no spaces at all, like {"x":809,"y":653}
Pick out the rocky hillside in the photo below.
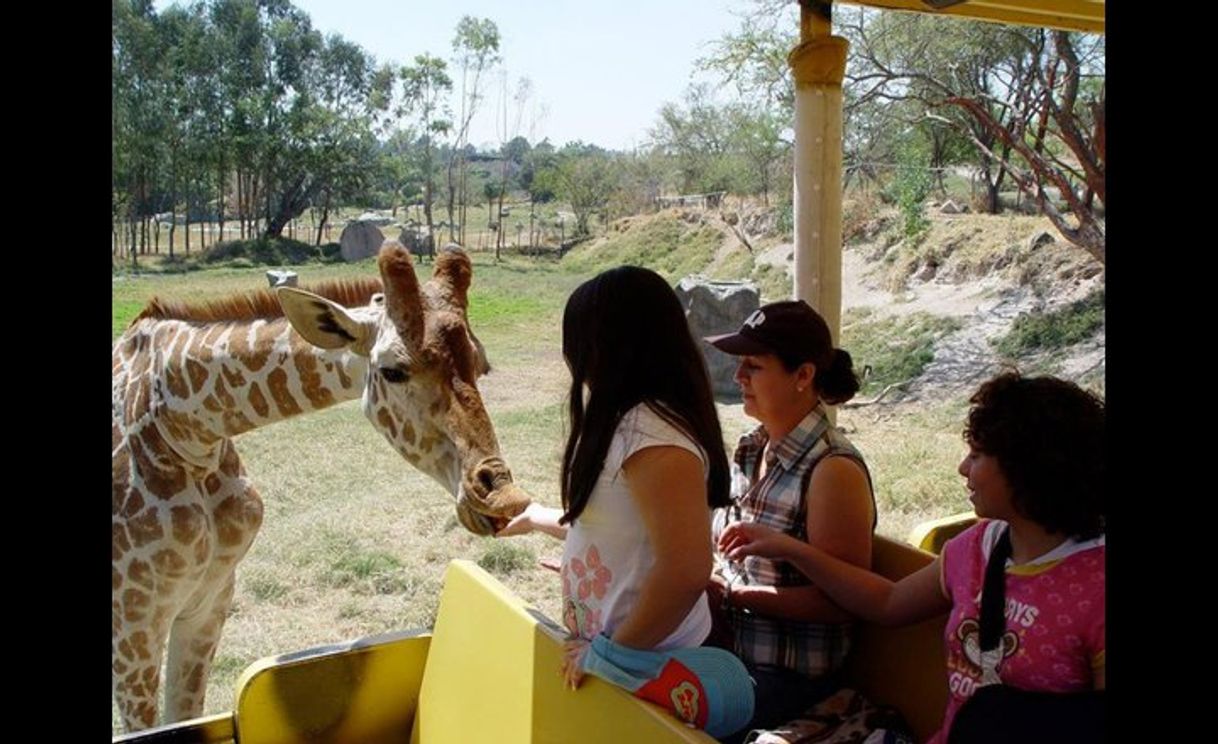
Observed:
{"x":930,"y":316}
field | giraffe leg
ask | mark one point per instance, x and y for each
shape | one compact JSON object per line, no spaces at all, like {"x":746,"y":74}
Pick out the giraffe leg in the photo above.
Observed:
{"x":135,"y":658}
{"x":192,"y":644}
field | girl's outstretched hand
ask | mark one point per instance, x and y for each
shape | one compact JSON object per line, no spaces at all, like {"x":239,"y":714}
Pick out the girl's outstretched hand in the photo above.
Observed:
{"x":742,"y":539}
{"x":573,"y":652}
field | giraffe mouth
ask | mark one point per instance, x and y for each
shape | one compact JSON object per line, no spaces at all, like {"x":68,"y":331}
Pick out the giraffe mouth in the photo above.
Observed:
{"x":477,"y":523}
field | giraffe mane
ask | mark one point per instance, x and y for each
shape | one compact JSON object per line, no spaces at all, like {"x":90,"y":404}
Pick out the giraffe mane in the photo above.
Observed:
{"x":258,"y":303}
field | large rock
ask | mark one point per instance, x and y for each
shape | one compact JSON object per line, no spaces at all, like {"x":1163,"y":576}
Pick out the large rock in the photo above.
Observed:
{"x":360,"y":240}
{"x":375,"y":218}
{"x":713,"y":307}
{"x":282,"y":278}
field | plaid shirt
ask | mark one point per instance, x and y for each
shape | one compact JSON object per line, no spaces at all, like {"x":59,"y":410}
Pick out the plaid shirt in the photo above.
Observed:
{"x":778,"y":501}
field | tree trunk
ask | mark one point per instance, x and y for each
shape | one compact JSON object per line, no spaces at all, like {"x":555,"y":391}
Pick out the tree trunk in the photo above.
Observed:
{"x":532,"y":215}
{"x":463,"y":206}
{"x":220,"y":205}
{"x":325,"y":213}
{"x":451,"y":188}
{"x":991,"y":197}
{"x":427,"y":187}
{"x":240,"y":204}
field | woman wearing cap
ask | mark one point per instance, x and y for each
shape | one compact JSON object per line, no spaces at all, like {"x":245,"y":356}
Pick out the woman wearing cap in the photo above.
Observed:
{"x":643,"y":466}
{"x":799,"y":475}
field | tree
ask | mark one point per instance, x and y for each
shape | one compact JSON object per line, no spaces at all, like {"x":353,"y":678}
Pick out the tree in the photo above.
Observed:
{"x":756,"y":134}
{"x":476,"y":46}
{"x":425,"y":86}
{"x":586,"y":178}
{"x":1011,"y":92}
{"x":1064,"y":109}
{"x":698,"y":136}
{"x":139,"y":100}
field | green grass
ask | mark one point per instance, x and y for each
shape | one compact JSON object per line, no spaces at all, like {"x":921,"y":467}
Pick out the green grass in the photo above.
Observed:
{"x":122,"y":312}
{"x":735,"y":265}
{"x":366,"y":572}
{"x":503,"y":558}
{"x":912,"y":453}
{"x":773,"y":282}
{"x":1045,"y":331}
{"x":668,"y":245}
{"x":267,"y":588}
{"x":896,"y":349}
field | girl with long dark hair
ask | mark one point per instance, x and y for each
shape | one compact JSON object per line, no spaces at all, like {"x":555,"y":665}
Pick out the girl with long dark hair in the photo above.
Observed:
{"x":643,"y":466}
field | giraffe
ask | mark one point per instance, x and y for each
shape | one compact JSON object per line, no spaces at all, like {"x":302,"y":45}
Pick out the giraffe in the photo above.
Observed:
{"x":189,"y":378}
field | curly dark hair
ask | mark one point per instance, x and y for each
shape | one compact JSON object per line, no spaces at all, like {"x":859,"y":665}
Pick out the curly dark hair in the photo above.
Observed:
{"x":1048,"y":438}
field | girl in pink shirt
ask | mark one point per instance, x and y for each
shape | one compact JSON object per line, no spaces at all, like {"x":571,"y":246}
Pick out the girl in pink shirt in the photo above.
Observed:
{"x":1035,"y":468}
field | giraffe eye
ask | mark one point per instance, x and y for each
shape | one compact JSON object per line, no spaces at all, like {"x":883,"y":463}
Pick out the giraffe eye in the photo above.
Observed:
{"x":394,"y":374}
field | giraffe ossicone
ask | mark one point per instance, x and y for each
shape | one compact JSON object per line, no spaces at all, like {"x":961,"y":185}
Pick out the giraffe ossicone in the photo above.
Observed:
{"x":188,"y":378}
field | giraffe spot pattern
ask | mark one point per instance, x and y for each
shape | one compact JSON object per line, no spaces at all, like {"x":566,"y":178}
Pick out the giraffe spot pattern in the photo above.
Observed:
{"x":139,"y":642}
{"x":277,"y":380}
{"x":197,"y":374}
{"x":311,"y":382}
{"x":168,"y":563}
{"x":119,"y":541}
{"x":258,"y":400}
{"x":140,"y":573}
{"x":164,"y":480}
{"x":188,"y":523}
{"x":236,"y":518}
{"x":386,"y":422}
{"x":145,"y":528}
{"x":135,"y":605}
{"x":233,"y":376}
{"x":175,"y":380}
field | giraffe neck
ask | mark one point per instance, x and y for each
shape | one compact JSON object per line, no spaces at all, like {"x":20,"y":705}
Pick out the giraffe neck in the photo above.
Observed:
{"x":223,"y":379}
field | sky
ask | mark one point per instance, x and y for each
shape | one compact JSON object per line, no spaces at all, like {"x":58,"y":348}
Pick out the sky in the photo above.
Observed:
{"x":599,"y":71}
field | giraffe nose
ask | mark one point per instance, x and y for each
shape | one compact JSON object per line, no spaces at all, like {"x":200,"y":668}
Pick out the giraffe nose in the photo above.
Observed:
{"x":488,"y":490}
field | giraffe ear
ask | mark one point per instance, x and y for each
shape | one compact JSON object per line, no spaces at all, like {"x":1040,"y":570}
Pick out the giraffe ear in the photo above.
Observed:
{"x":322,"y":322}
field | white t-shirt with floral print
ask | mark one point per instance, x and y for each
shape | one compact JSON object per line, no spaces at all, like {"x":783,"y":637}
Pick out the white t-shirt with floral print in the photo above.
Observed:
{"x":608,"y":554}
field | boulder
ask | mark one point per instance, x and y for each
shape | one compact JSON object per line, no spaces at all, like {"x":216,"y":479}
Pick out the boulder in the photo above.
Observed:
{"x":360,"y":240}
{"x":379,"y":220}
{"x":282,"y":278}
{"x":714,"y":307}
{"x":1039,"y":238}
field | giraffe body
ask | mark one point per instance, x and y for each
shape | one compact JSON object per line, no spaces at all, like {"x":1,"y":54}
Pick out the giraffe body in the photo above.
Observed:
{"x":186,"y":380}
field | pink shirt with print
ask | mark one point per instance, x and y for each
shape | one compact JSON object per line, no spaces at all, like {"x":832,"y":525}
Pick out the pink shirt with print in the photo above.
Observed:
{"x":1054,"y":635}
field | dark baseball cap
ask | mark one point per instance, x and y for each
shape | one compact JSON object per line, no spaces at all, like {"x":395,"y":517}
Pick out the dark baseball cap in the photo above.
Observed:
{"x":791,"y":329}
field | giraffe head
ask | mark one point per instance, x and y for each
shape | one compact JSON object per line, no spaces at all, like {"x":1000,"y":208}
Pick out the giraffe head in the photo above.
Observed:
{"x":421,"y":387}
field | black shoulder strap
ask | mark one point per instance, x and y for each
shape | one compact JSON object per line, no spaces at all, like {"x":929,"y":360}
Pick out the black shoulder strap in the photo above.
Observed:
{"x":993,"y":592}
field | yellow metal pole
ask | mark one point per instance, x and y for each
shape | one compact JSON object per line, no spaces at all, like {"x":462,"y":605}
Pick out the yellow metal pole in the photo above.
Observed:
{"x":818,"y":65}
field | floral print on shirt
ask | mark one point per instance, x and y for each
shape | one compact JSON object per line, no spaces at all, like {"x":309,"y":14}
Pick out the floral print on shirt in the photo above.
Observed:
{"x":585,"y":582}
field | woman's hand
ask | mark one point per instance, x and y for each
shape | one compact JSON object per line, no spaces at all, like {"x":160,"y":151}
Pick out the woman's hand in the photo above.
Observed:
{"x":741,"y":539}
{"x":573,"y":652}
{"x":534,"y":518}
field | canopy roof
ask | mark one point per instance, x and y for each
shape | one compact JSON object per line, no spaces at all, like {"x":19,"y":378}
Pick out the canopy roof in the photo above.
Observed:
{"x":1071,"y":15}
